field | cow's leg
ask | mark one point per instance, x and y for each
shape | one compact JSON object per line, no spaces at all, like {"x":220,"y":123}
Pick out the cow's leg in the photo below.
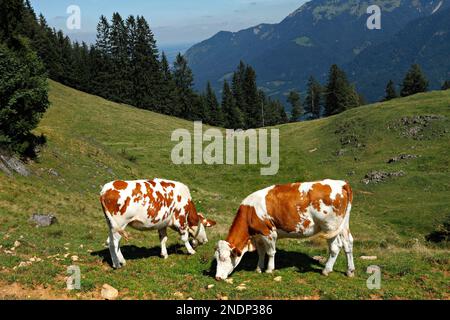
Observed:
{"x":334,"y":246}
{"x":261,"y":249}
{"x":163,"y":239}
{"x":116,"y":255}
{"x":185,"y":239}
{"x":347,"y":240}
{"x":271,"y":241}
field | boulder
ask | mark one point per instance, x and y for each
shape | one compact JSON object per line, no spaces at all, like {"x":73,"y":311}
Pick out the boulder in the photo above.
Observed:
{"x":109,"y":293}
{"x":43,"y":220}
{"x":10,"y":163}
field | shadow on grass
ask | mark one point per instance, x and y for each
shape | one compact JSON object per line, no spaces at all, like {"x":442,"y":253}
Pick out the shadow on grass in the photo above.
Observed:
{"x":283,"y":259}
{"x":131,"y":252}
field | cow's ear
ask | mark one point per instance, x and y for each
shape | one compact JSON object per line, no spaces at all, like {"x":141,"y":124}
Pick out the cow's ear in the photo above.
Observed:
{"x":236,"y":252}
{"x":208,"y":222}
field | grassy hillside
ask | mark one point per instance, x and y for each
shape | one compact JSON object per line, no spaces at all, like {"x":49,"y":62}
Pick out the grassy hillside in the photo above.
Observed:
{"x":92,"y":141}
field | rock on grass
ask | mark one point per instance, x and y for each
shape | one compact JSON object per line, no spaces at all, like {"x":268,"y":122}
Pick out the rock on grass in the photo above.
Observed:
{"x":43,"y":220}
{"x":109,"y":293}
{"x":381,"y":176}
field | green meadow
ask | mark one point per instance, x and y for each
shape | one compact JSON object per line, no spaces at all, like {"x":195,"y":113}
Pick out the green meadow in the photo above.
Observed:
{"x":91,"y":141}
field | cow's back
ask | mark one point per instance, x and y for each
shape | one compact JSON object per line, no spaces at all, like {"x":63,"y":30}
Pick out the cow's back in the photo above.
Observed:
{"x":302,"y":208}
{"x":144,"y":203}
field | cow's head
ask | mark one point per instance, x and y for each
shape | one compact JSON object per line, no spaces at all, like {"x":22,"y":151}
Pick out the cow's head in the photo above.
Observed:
{"x":227,"y":259}
{"x":197,"y":229}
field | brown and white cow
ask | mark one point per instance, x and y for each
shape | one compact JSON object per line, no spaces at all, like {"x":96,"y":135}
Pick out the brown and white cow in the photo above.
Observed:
{"x":151,"y":205}
{"x":296,"y":210}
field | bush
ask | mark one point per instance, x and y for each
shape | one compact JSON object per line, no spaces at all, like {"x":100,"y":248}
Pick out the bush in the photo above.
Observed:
{"x":441,"y":234}
{"x":23,"y":98}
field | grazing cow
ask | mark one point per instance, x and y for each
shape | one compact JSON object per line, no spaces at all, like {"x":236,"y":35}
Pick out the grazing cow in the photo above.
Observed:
{"x":296,"y":210}
{"x":149,"y":205}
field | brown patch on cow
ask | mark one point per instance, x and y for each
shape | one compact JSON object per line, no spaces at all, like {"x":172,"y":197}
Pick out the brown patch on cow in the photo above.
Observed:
{"x":245,"y":224}
{"x":125,"y":206}
{"x":306,"y":224}
{"x":153,"y":183}
{"x":120,"y":185}
{"x":190,"y":210}
{"x":166,"y":184}
{"x":137,"y":190}
{"x":157,"y":201}
{"x":110,"y":201}
{"x":320,"y":192}
{"x":283,"y":204}
{"x":179,"y":198}
{"x":137,"y":193}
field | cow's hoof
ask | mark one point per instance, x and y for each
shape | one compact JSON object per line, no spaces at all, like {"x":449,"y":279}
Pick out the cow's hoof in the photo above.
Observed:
{"x":164,"y":256}
{"x":269,"y":271}
{"x":258,"y":270}
{"x":326,"y":272}
{"x":192,"y":252}
{"x":350,"y":273}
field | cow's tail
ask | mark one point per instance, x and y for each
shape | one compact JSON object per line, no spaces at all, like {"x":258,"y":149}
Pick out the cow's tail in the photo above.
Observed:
{"x":112,"y":224}
{"x":345,"y":222}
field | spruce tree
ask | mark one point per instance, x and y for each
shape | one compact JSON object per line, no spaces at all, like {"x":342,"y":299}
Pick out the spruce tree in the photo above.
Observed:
{"x":232,"y":115}
{"x":23,"y":97}
{"x":313,"y":100}
{"x":391,"y":92}
{"x":184,"y":81}
{"x":147,"y":73}
{"x":237,"y":87}
{"x":101,"y":60}
{"x":296,"y":106}
{"x":339,"y":95}
{"x":253,"y":102}
{"x":169,"y":101}
{"x":120,"y":73}
{"x":446,"y":85}
{"x":414,"y":82}
{"x":213,"y":111}
{"x":11,"y":19}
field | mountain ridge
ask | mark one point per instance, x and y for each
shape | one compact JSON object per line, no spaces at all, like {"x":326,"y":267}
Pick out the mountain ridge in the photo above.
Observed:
{"x":306,"y":42}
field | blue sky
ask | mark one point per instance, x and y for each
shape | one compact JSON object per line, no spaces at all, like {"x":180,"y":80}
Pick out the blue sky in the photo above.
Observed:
{"x":174,"y":22}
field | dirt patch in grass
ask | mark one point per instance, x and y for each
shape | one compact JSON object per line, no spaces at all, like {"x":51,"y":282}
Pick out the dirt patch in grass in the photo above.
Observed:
{"x":423,"y":127}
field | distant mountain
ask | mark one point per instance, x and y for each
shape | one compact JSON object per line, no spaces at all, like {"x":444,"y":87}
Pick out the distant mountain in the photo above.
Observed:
{"x":425,"y":41}
{"x":307,"y":42}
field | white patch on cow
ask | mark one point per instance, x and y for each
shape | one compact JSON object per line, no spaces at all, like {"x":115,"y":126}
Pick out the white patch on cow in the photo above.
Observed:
{"x":258,"y":201}
{"x":336,"y":187}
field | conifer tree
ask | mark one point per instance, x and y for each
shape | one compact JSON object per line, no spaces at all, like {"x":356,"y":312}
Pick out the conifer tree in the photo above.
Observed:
{"x":147,"y":75}
{"x":184,"y":80}
{"x":253,"y":102}
{"x":414,"y":82}
{"x":339,"y":95}
{"x":169,"y":102}
{"x":233,"y":118}
{"x":313,"y":100}
{"x":446,"y":85}
{"x":213,"y":113}
{"x":120,"y":73}
{"x":296,"y":106}
{"x":391,"y":92}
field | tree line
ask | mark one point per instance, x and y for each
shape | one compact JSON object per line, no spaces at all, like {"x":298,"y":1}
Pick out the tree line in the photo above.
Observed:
{"x":125,"y":65}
